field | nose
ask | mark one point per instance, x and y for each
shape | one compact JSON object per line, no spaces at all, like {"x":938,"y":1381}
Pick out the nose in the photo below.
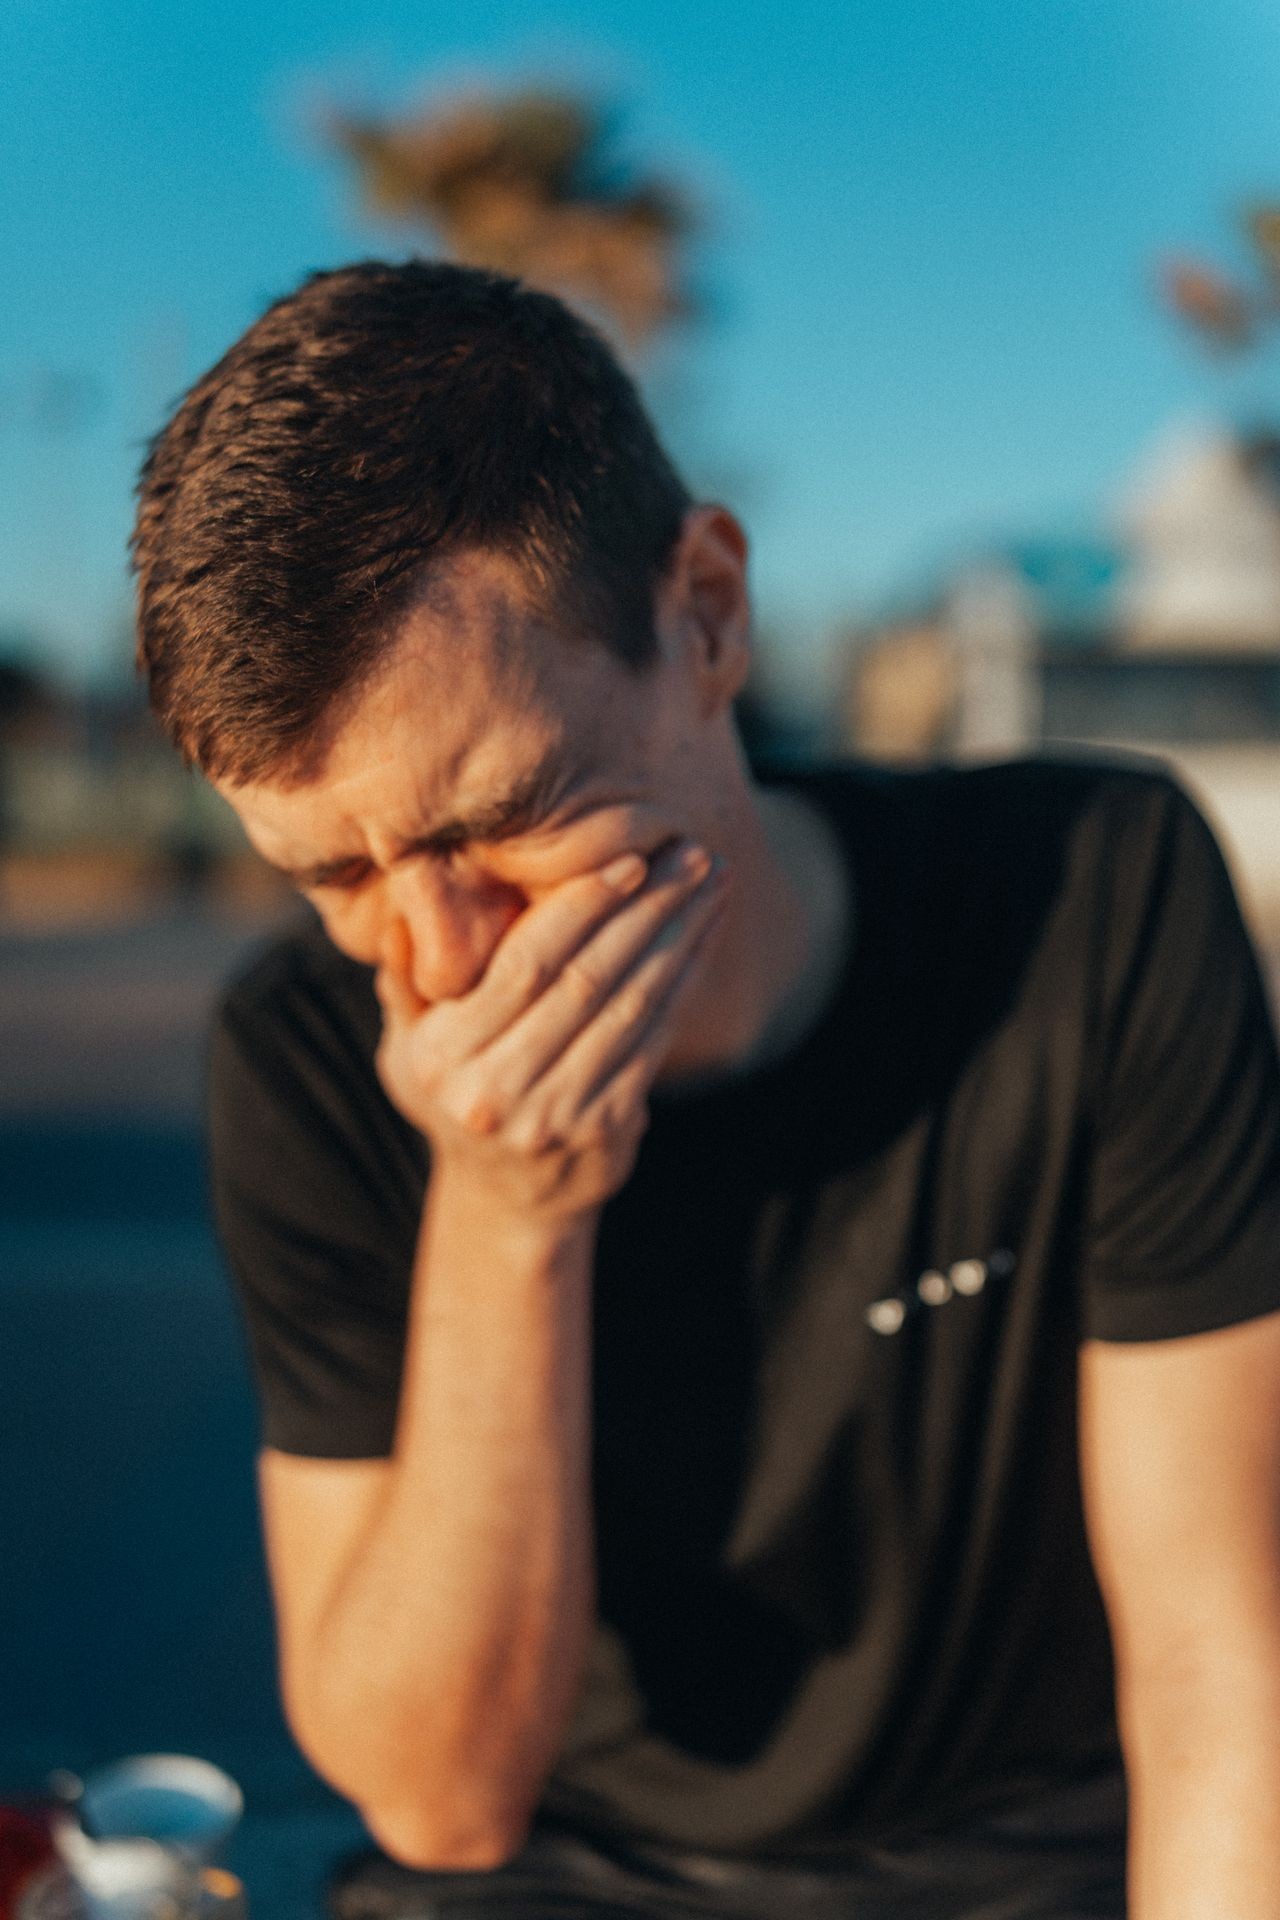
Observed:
{"x":454,"y":923}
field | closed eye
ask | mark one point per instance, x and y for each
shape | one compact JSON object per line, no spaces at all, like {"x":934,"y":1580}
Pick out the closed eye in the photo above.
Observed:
{"x":353,"y":874}
{"x":336,"y":879}
{"x":525,"y":817}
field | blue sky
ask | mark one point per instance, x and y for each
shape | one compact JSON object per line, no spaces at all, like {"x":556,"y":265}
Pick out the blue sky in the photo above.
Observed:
{"x":935,"y":226}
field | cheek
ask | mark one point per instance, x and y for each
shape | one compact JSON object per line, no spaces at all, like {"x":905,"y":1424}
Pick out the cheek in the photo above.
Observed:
{"x":354,"y":922}
{"x":539,"y":863}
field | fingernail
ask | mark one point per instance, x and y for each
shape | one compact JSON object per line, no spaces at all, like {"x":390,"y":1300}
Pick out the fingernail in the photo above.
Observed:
{"x":626,"y":873}
{"x":693,"y":863}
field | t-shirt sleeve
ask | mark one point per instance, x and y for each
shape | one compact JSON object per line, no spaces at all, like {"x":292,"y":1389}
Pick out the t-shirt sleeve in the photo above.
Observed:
{"x":1183,"y":1214}
{"x":316,"y":1190}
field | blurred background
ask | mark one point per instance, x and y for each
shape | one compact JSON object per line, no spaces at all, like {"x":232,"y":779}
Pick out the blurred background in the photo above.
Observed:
{"x":970,"y":312}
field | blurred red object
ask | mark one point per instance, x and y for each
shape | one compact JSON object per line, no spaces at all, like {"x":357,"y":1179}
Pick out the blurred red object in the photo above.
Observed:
{"x":26,"y":1843}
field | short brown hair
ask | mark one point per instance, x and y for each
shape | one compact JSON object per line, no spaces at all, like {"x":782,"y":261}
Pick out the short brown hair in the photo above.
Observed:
{"x":378,"y":420}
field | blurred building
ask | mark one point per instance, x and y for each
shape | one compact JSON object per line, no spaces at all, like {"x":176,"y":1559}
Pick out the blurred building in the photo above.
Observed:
{"x":100,"y":820}
{"x":1203,"y":533}
{"x":1161,"y":635}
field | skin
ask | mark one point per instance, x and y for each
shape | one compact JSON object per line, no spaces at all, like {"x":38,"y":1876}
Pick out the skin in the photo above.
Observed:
{"x":434,"y":1609}
{"x":530,"y":1003}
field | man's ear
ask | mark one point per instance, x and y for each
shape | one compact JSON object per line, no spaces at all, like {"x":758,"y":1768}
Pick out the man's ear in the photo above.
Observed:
{"x":704,"y":607}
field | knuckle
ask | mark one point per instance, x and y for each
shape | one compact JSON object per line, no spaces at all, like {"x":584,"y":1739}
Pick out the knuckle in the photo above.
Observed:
{"x":630,"y":1101}
{"x":526,"y":974}
{"x":582,"y":982}
{"x":632,"y":1126}
{"x":607,"y":1119}
{"x":461,"y":1104}
{"x":597,"y":1130}
{"x":530,"y":1133}
{"x":482,"y":1117}
{"x":633,"y":1003}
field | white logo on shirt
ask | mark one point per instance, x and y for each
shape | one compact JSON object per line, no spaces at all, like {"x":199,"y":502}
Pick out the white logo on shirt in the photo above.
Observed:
{"x":936,"y":1286}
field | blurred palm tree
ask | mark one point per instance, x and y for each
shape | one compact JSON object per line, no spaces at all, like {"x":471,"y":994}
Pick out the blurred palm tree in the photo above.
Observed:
{"x":1229,"y":315}
{"x":525,"y":183}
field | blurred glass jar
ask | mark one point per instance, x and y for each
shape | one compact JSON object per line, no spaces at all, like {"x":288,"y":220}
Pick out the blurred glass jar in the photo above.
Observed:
{"x":52,"y":1893}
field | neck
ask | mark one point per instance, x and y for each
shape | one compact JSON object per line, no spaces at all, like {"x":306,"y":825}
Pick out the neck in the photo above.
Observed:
{"x":784,"y":925}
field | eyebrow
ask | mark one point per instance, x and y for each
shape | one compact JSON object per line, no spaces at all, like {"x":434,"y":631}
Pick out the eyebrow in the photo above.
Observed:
{"x":513,"y":812}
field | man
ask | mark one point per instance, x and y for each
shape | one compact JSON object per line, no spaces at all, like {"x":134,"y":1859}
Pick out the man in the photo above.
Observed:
{"x":741,"y":1272}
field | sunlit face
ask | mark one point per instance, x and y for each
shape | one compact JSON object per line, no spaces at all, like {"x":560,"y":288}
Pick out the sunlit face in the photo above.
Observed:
{"x":490,"y":761}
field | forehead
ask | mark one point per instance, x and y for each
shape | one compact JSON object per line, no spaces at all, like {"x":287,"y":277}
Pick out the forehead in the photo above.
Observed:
{"x":477,"y":690}
{"x":478,"y":673}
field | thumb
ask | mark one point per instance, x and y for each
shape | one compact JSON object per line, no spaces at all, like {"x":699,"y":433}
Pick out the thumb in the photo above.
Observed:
{"x":393,"y":981}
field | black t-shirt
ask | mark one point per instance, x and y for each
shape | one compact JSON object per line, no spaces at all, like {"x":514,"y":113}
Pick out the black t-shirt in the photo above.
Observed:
{"x":844,"y":1589}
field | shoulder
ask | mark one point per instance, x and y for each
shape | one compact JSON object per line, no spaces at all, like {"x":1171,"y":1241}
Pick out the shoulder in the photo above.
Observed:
{"x":1075,"y":830}
{"x":1122,"y":828}
{"x":1017,"y":796}
{"x":1117,"y":861}
{"x":1086,"y":798}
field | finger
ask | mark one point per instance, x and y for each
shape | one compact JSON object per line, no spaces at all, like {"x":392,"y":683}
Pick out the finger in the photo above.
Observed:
{"x":617,"y":1106}
{"x":393,"y":981}
{"x":618,"y":1110}
{"x":513,"y":1063}
{"x":534,"y":953}
{"x":637,"y":1023}
{"x":629,"y":1022}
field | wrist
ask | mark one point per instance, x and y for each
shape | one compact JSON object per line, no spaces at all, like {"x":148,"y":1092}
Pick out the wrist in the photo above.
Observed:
{"x":528,"y":1236}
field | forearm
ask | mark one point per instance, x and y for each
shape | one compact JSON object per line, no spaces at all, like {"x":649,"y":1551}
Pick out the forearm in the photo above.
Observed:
{"x":445,"y":1667}
{"x":1203,"y":1763}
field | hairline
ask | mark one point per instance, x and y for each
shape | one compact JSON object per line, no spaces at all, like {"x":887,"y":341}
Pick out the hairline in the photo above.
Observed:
{"x":303,"y":763}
